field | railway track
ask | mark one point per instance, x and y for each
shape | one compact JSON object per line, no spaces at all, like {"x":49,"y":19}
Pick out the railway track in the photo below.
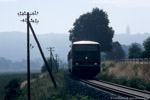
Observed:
{"x":123,"y":91}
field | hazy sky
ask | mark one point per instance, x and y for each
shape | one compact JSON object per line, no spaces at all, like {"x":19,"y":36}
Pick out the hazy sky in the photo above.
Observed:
{"x":57,"y":16}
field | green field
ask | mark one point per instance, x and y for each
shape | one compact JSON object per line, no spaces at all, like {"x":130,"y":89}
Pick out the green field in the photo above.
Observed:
{"x":5,"y":78}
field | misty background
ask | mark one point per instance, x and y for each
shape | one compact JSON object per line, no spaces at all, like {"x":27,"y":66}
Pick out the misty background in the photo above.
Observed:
{"x":13,"y":48}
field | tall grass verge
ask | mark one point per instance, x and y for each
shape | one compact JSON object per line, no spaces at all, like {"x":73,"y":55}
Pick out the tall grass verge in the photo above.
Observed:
{"x":42,"y":89}
{"x":131,"y":75}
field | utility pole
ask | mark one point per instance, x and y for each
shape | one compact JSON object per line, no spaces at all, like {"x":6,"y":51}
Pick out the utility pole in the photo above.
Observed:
{"x":28,"y":56}
{"x":29,"y":26}
{"x":57,"y":64}
{"x":51,"y":49}
{"x":28,"y":44}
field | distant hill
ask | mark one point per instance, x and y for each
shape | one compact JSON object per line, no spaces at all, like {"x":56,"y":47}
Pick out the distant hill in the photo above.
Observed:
{"x":13,"y":45}
{"x":13,"y":49}
{"x":128,"y":39}
{"x":9,"y":66}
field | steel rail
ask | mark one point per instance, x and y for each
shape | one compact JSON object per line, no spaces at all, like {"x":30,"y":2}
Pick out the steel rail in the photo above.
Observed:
{"x":124,"y":87}
{"x":120,"y":90}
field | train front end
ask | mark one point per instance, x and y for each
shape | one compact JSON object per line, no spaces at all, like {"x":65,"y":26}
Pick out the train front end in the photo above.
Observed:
{"x":86,"y":58}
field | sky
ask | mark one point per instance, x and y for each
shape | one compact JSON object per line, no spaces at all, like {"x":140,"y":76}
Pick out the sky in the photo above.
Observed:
{"x":58,"y":16}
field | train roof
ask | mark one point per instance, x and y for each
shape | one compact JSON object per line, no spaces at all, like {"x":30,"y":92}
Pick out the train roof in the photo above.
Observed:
{"x":85,"y":42}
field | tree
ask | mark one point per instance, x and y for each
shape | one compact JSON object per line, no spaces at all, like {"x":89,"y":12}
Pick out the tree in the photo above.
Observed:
{"x":52,"y":66}
{"x":13,"y":89}
{"x":135,"y":51}
{"x":93,"y":26}
{"x":146,"y":44}
{"x":116,"y":53}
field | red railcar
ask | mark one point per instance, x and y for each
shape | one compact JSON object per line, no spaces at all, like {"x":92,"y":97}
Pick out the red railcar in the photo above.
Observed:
{"x":84,"y":58}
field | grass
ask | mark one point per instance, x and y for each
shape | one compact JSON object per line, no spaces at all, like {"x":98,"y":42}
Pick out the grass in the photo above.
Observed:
{"x":5,"y":78}
{"x":131,"y":75}
{"x":43,"y":89}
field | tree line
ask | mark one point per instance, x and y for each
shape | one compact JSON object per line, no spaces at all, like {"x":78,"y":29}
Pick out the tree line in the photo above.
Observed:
{"x":136,"y":52}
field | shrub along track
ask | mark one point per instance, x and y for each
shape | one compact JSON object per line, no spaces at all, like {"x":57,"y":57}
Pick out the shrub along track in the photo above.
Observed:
{"x":122,"y":91}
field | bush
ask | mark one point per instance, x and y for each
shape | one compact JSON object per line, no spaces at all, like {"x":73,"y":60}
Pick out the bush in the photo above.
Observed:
{"x":51,"y":64}
{"x":111,"y":65}
{"x":13,"y":89}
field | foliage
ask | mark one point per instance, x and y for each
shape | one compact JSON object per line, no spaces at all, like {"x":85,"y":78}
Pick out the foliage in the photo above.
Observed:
{"x":135,"y":82}
{"x":7,"y":77}
{"x":116,"y":53}
{"x":43,"y":89}
{"x":93,"y":26}
{"x":112,"y":65}
{"x":127,"y":74}
{"x":51,"y":63}
{"x":135,"y":51}
{"x":13,"y":89}
{"x":146,"y":44}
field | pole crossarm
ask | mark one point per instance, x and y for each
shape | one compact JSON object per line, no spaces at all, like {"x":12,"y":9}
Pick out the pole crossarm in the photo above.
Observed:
{"x":29,"y":14}
{"x":51,"y":49}
{"x":25,"y":13}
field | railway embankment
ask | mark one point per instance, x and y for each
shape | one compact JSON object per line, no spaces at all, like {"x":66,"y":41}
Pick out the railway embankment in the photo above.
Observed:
{"x":77,"y":87}
{"x":42,"y":88}
{"x":67,"y":89}
{"x":127,"y":74}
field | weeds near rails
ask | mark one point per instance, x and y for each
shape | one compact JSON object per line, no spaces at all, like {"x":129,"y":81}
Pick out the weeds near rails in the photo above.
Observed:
{"x":132,"y":75}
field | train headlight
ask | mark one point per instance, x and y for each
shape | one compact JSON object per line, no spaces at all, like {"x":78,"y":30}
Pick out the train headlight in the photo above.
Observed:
{"x":77,"y":63}
{"x":95,"y":63}
{"x":86,"y":57}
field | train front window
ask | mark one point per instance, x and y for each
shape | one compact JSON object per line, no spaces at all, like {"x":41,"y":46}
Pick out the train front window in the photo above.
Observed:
{"x":86,"y":53}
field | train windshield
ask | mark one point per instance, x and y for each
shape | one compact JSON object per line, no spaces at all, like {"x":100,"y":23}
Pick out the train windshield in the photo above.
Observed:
{"x":86,"y":53}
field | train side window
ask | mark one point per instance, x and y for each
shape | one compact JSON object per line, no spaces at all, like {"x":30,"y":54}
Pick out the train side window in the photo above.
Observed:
{"x":69,"y":55}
